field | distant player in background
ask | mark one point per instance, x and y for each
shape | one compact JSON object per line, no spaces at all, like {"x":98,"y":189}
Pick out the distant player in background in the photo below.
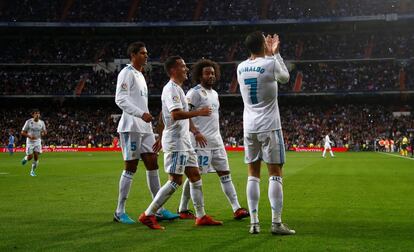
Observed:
{"x":206,"y":138}
{"x":258,"y":78}
{"x":412,"y":144}
{"x":179,"y":155}
{"x":33,"y":130}
{"x":327,"y":146}
{"x":10,"y":145}
{"x":404,"y":145}
{"x":135,"y":131}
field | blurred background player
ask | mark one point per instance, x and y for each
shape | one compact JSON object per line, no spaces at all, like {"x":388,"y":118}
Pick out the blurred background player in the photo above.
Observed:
{"x":258,"y":78}
{"x":206,"y":139}
{"x":179,"y":155}
{"x":404,"y":145}
{"x":10,"y":145}
{"x":33,"y":130}
{"x":412,"y":144}
{"x":327,"y":146}
{"x":135,"y":130}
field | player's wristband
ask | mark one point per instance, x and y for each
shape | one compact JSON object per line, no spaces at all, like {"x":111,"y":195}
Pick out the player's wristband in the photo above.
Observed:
{"x":196,"y":133}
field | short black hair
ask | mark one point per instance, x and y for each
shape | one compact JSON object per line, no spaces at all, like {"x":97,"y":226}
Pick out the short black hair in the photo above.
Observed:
{"x":197,"y":71}
{"x":134,"y":48}
{"x":170,"y":63}
{"x":34,"y":111}
{"x":254,"y":42}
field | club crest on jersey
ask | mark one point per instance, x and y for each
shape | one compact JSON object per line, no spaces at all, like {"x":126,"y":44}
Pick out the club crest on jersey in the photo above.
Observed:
{"x":124,"y":86}
{"x":203,"y":92}
{"x":176,"y":99}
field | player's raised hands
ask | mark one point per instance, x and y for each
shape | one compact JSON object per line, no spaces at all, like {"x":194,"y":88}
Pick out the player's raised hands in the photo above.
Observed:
{"x":272,"y":44}
{"x":268,"y":45}
{"x":275,"y":44}
{"x":147,"y":117}
{"x":205,"y":111}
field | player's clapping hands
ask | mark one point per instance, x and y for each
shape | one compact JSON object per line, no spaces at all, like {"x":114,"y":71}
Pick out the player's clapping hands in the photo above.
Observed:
{"x":272,"y":44}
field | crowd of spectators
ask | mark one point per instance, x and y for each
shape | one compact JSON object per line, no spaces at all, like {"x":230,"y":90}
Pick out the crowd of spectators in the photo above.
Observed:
{"x":59,"y":81}
{"x":364,"y":76}
{"x":65,"y":125}
{"x":219,"y":48}
{"x":350,"y":125}
{"x":170,"y":11}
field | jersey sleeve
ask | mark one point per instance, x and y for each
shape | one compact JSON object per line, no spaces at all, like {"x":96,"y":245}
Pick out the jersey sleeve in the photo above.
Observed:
{"x":43,"y":126}
{"x":280,"y":71}
{"x":193,"y":98}
{"x":172,"y":99}
{"x":26,"y":126}
{"x":122,"y":98}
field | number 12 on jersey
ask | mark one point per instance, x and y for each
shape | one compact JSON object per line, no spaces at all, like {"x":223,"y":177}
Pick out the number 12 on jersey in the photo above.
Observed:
{"x":252,"y":82}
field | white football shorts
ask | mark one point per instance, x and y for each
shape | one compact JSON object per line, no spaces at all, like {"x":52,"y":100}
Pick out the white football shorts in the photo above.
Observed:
{"x":30,"y":148}
{"x":267,"y":146}
{"x":176,"y":161}
{"x":133,"y":144}
{"x":212,"y":160}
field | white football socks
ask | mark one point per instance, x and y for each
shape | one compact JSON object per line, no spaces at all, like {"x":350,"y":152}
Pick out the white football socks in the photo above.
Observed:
{"x":276,"y":197}
{"x":162,"y":196}
{"x":196,"y":192}
{"x":185,"y":196}
{"x":153,"y":182}
{"x":230,"y":192}
{"x":253,"y":197}
{"x":124,"y":186}
{"x":34,"y":165}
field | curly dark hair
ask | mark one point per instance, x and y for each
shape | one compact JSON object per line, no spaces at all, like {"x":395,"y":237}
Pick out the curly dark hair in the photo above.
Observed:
{"x":197,"y":71}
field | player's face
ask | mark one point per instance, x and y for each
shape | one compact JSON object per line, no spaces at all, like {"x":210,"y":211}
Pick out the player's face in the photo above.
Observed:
{"x":208,"y":77}
{"x":141,"y":57}
{"x":36,"y":115}
{"x":180,"y":71}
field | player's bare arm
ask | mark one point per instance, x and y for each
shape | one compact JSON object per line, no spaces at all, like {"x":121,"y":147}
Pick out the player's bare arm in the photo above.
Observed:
{"x":179,"y":114}
{"x":200,"y":139}
{"x":25,"y":134}
{"x":160,"y":127}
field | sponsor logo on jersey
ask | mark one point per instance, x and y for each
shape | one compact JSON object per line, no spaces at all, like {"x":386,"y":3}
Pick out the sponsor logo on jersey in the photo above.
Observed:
{"x":176,"y":99}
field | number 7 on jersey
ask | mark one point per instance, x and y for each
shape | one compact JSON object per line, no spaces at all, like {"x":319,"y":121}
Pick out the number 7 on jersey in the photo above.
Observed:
{"x":252,"y":82}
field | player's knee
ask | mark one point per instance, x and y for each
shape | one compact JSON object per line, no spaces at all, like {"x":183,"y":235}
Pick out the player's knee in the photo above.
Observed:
{"x":131,"y":165}
{"x":177,"y":179}
{"x":223,"y":173}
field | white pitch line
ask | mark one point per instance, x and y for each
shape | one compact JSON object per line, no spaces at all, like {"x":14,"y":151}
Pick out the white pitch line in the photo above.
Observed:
{"x":4,"y":173}
{"x":396,"y":155}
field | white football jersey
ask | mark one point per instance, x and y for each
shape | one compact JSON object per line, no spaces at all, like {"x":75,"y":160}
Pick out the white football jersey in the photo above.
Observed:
{"x":132,"y":97}
{"x":258,"y":80}
{"x":176,"y":134}
{"x":35,"y":129}
{"x":327,"y":141}
{"x":209,"y":126}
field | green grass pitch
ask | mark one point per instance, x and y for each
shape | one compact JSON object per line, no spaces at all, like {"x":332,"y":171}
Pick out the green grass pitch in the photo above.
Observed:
{"x":354,"y":202}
